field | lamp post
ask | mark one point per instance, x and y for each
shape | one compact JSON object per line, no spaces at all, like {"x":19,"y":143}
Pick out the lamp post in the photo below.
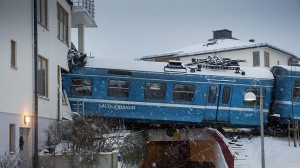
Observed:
{"x":250,"y":96}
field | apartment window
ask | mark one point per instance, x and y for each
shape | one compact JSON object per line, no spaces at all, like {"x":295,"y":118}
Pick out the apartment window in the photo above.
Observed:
{"x":12,"y":137}
{"x":118,"y":88}
{"x":183,"y":92}
{"x":42,"y":12}
{"x":267,"y":59}
{"x":43,"y":76}
{"x":297,"y":89}
{"x":62,"y":24}
{"x":81,"y":86}
{"x":256,"y":59}
{"x":155,"y":91}
{"x":13,"y":56}
{"x":212,"y":94}
{"x":257,"y":94}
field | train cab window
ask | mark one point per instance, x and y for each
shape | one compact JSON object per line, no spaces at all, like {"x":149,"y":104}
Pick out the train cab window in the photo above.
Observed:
{"x":118,"y":88}
{"x":297,"y":89}
{"x":155,"y":91}
{"x":226,"y":95}
{"x":212,"y":94}
{"x":81,"y":86}
{"x":257,"y":94}
{"x":183,"y":92}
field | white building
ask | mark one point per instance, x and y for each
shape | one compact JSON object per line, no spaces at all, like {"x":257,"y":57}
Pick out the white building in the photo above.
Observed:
{"x":225,"y":46}
{"x":17,"y":65}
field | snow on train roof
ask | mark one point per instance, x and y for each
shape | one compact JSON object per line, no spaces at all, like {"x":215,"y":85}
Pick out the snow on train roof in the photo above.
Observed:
{"x":290,"y":68}
{"x":147,"y":66}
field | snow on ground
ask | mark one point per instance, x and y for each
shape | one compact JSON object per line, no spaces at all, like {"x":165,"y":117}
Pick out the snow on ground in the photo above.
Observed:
{"x":278,"y":153}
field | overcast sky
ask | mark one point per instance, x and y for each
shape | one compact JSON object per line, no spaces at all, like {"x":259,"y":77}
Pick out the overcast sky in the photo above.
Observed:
{"x":129,"y":29}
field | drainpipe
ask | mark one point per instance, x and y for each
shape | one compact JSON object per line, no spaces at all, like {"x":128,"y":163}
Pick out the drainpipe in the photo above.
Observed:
{"x":35,"y":50}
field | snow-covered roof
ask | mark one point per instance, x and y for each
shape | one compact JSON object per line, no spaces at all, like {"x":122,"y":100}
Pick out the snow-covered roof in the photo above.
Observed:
{"x":148,"y":66}
{"x":215,"y":45}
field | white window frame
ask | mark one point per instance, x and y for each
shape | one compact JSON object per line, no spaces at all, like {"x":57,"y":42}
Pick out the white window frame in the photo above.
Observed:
{"x":42,"y":76}
{"x":62,"y":24}
{"x":42,"y":12}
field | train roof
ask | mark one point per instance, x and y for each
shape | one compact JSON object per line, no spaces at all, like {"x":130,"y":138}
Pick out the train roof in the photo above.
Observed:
{"x":158,"y":67}
{"x":286,"y":70}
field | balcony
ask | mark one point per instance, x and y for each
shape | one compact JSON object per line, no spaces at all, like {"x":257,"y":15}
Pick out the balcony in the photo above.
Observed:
{"x":83,"y":13}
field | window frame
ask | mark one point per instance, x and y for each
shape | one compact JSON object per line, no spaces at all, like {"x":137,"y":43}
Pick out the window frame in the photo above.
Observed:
{"x":45,"y":91}
{"x":267,"y":59}
{"x":123,"y":92}
{"x":296,"y":87}
{"x":13,"y":54}
{"x":81,"y":84}
{"x":212,"y":97}
{"x":256,"y":58}
{"x":182,"y":98}
{"x":12,"y":138}
{"x":226,"y":98}
{"x":151,"y":94}
{"x":62,"y":19}
{"x":42,"y":13}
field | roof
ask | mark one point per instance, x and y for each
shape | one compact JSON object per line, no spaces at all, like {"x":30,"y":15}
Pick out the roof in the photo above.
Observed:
{"x":215,"y":45}
{"x":148,"y":66}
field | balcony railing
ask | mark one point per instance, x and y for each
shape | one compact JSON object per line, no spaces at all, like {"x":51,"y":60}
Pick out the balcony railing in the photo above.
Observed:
{"x":87,"y":4}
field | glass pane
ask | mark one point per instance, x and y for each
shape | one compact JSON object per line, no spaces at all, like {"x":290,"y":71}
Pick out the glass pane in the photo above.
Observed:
{"x":81,"y":86}
{"x":226,"y":95}
{"x":297,"y":89}
{"x":118,"y":88}
{"x":256,"y":59}
{"x":183,"y":92}
{"x":212,"y":94}
{"x":155,"y":91}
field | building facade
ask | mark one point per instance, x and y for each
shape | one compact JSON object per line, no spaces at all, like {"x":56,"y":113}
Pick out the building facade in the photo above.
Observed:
{"x":226,"y":46}
{"x":17,"y":68}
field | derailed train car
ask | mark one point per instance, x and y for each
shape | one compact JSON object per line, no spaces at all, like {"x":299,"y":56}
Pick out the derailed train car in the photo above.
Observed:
{"x":286,"y":95}
{"x":168,"y":93}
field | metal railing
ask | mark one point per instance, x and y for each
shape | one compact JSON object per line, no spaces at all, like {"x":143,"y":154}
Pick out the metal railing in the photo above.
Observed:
{"x":87,"y":4}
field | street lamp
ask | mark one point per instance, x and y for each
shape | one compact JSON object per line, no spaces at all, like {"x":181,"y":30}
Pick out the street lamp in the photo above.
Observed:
{"x":250,"y":96}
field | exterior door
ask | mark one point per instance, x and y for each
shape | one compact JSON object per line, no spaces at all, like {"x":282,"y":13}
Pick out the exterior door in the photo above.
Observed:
{"x":24,"y":147}
{"x":218,"y":103}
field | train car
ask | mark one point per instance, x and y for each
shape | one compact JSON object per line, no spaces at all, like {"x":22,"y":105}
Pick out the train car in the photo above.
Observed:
{"x":161,"y":93}
{"x":286,"y":95}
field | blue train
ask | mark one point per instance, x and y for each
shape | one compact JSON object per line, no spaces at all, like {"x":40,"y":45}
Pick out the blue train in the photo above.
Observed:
{"x":152,"y":92}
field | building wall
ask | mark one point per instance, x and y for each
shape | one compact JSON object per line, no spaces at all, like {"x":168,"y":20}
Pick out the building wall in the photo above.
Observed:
{"x":17,"y":84}
{"x":247,"y":54}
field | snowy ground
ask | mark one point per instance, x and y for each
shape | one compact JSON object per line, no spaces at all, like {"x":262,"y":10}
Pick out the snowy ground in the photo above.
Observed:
{"x":278,"y":153}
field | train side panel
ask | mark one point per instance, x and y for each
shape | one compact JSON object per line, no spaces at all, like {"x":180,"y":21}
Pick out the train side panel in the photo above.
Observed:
{"x":286,"y":95}
{"x":161,"y":97}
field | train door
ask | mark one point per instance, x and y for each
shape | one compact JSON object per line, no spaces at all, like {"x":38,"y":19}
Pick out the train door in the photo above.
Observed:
{"x":218,"y":103}
{"x":295,"y":112}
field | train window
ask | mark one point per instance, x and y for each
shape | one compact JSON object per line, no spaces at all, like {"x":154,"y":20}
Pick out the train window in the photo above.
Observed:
{"x":118,"y":88}
{"x":119,"y":72}
{"x":212,"y":94}
{"x":257,"y":94}
{"x":297,"y":89}
{"x":226,"y":95}
{"x":81,"y":86}
{"x":155,"y":91}
{"x":183,"y":92}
